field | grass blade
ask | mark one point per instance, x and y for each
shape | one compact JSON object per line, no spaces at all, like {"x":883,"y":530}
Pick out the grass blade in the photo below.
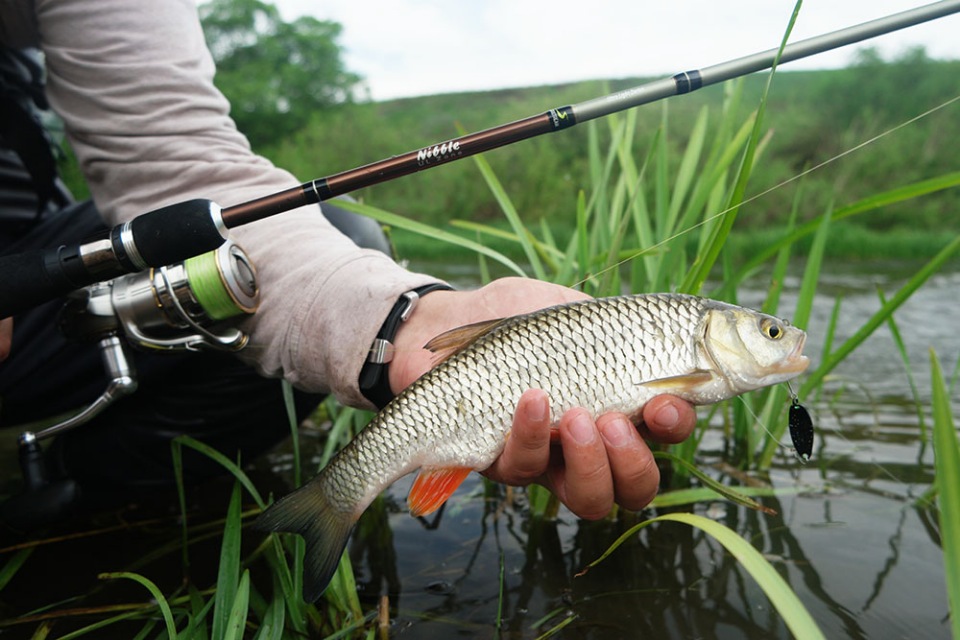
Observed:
{"x":271,"y":626}
{"x":947,"y":462}
{"x":13,"y":565}
{"x":684,"y":497}
{"x":706,"y":260}
{"x":779,"y":274}
{"x":905,"y":357}
{"x":718,"y":488}
{"x":229,"y":571}
{"x":798,"y":620}
{"x":154,"y":592}
{"x":687,"y":171}
{"x":866,"y":205}
{"x":510,"y":212}
{"x":811,"y":273}
{"x":400,"y":222}
{"x":225,"y":462}
{"x":237,"y":618}
{"x":288,"y":403}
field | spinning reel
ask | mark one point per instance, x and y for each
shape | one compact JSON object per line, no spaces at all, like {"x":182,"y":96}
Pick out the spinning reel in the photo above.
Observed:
{"x":185,"y":306}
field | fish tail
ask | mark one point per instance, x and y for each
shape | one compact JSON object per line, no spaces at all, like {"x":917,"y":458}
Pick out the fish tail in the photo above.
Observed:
{"x":325,"y":530}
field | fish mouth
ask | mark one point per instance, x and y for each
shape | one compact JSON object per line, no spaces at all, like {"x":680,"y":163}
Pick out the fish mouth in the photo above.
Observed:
{"x":795,"y":363}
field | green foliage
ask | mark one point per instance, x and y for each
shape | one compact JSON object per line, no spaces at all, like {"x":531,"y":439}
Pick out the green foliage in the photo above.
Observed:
{"x":544,"y":175}
{"x":274,"y":73}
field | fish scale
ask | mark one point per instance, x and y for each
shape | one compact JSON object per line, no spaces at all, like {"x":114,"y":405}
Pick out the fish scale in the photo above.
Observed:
{"x":609,"y":354}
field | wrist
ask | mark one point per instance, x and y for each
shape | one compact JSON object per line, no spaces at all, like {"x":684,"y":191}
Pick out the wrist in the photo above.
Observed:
{"x":376,"y":375}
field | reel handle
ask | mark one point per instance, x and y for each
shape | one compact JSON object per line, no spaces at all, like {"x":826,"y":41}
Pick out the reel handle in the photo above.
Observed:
{"x":161,"y":237}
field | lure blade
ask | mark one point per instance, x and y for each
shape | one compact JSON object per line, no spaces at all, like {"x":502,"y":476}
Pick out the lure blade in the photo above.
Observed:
{"x":801,"y":430}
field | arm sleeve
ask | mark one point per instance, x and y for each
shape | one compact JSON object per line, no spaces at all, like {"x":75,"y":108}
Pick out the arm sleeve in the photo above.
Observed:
{"x":133,"y":81}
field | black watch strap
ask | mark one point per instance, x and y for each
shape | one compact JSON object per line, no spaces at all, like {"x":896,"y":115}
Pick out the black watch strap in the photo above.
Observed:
{"x":374,"y":381}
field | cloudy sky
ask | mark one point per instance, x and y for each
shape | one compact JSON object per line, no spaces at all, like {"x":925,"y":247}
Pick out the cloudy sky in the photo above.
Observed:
{"x":420,"y":47}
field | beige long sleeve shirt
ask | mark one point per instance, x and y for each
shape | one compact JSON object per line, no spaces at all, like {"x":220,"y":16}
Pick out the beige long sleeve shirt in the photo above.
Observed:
{"x":133,"y":82}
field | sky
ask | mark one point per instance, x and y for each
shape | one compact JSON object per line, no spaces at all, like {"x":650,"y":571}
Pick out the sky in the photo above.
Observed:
{"x":407,"y":48}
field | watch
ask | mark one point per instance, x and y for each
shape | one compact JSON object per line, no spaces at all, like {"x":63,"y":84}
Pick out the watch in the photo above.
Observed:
{"x":374,"y":378}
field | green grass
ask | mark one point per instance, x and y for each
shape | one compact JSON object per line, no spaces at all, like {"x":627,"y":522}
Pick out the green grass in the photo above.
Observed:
{"x":947,"y":449}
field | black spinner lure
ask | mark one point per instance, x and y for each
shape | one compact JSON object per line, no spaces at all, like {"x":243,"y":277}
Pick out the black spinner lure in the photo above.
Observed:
{"x":801,"y":430}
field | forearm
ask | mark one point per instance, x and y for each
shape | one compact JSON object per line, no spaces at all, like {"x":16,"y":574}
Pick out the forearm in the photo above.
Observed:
{"x":133,"y":82}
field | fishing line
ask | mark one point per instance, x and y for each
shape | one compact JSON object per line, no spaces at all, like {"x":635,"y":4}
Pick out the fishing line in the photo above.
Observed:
{"x":763,"y":426}
{"x":784,"y":183}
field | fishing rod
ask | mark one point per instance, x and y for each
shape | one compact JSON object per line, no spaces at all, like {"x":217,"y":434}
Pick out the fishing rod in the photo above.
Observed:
{"x":187,"y":229}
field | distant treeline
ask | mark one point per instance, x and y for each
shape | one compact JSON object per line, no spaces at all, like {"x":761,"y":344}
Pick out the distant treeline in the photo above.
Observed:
{"x":812,"y":117}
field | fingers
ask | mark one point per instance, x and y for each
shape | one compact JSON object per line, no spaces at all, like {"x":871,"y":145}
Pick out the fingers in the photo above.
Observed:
{"x":526,"y":454}
{"x":636,"y":477}
{"x":668,"y":419}
{"x":598,"y":462}
{"x":603,"y":462}
{"x":584,"y":481}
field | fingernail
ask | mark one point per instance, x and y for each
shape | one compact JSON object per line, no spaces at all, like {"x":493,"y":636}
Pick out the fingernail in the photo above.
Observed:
{"x":617,"y":432}
{"x":582,"y":429}
{"x":668,"y":416}
{"x":536,"y":410}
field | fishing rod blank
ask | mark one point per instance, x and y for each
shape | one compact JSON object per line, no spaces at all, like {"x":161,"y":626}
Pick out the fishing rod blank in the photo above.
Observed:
{"x":191,"y":228}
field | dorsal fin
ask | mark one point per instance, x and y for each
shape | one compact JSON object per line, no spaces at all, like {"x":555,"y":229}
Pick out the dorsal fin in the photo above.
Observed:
{"x":456,"y":340}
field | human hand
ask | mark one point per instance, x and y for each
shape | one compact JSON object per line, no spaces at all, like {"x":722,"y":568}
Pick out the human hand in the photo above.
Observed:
{"x":6,"y":337}
{"x":598,"y":462}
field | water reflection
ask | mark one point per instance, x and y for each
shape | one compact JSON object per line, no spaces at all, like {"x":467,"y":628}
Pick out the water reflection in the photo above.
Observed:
{"x":864,"y":559}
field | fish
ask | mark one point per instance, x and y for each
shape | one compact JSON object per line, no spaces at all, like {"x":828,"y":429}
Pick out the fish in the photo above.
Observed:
{"x":603,"y":354}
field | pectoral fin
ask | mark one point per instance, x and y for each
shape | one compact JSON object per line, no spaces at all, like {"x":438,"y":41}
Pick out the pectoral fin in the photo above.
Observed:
{"x":684,"y":382}
{"x":432,"y":488}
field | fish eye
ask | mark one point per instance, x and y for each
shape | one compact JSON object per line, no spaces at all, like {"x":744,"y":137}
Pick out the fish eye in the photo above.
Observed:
{"x":771,"y":328}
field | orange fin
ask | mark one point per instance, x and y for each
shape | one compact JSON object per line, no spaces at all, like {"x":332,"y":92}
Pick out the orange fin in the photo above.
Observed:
{"x":683,"y":382}
{"x":456,"y":340}
{"x":432,"y":488}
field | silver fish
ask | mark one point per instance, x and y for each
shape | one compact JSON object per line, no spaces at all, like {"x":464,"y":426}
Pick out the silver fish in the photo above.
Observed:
{"x":607,"y":354}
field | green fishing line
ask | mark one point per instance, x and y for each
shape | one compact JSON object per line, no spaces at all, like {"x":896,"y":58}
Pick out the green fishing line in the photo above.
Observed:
{"x":208,"y":287}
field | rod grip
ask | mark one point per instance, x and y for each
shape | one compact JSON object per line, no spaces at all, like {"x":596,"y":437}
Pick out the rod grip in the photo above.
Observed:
{"x":155,"y":239}
{"x":176,"y":232}
{"x":34,"y":277}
